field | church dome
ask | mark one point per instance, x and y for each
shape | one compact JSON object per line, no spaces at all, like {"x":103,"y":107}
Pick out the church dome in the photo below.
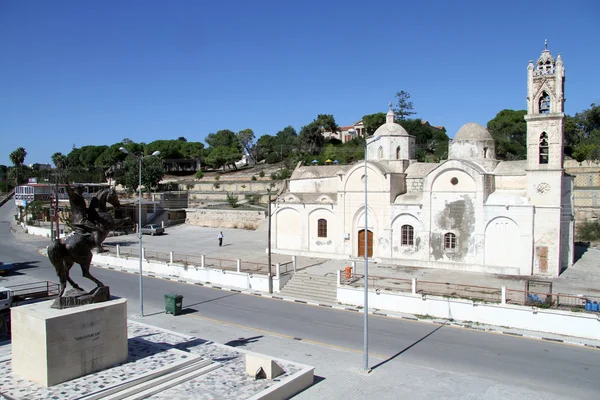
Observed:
{"x":390,"y":128}
{"x":472,"y":131}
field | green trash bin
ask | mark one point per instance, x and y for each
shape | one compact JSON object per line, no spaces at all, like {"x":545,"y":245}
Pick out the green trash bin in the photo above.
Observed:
{"x":173,"y":303}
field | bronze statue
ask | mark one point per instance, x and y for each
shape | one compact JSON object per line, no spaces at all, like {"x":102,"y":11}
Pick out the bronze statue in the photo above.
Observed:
{"x":91,"y":226}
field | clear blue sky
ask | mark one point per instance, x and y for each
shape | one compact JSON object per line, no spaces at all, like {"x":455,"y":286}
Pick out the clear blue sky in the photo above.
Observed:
{"x":95,"y":72}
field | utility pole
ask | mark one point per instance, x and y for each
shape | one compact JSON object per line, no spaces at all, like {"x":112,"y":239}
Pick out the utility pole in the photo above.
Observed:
{"x":56,"y":210}
{"x":269,"y":244}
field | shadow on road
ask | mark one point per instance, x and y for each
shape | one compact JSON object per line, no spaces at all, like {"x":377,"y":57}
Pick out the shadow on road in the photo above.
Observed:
{"x":19,"y":266}
{"x":241,"y":342}
{"x":208,"y":301}
{"x":408,"y":347}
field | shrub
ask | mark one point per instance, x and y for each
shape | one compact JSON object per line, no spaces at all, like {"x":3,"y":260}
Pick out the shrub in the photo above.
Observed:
{"x":589,"y":231}
{"x":262,"y":174}
{"x":252,"y":198}
{"x":217,"y":177}
{"x":232,"y":200}
{"x":253,"y":178}
{"x":189,"y":186}
{"x":274,"y":176}
{"x":199,"y":175}
{"x":216,"y":185}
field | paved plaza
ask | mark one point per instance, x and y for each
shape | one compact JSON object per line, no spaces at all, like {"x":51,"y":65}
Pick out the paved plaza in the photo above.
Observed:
{"x":581,"y":279}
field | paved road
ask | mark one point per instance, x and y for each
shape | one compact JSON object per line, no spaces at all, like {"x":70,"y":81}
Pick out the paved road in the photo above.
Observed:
{"x":548,"y":369}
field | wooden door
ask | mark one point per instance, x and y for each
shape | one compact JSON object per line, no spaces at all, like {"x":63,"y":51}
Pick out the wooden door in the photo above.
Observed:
{"x":361,"y":243}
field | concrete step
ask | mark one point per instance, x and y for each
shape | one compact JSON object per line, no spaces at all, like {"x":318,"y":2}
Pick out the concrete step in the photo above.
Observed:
{"x":148,"y":388}
{"x":311,"y":288}
{"x":302,"y":285}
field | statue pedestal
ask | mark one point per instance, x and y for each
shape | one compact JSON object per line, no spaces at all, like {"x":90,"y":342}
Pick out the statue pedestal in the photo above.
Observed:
{"x":50,"y":346}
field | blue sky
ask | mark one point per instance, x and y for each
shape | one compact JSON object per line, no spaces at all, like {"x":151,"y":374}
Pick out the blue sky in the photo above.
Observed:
{"x":95,"y":72}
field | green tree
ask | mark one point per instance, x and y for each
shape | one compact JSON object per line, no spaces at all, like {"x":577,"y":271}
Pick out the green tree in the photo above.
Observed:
{"x":192,"y":150}
{"x":152,"y":173}
{"x":404,"y":107}
{"x":246,"y":139}
{"x":509,"y":130}
{"x":59,"y":160}
{"x":327,"y":123}
{"x":89,"y":154}
{"x":169,"y":149}
{"x":264,"y":146}
{"x":372,"y":122}
{"x":222,"y":156}
{"x":225,"y":138}
{"x":311,"y":138}
{"x":17,"y":157}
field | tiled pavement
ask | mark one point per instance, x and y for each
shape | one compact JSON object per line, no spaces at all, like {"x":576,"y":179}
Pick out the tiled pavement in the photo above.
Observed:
{"x":152,"y":349}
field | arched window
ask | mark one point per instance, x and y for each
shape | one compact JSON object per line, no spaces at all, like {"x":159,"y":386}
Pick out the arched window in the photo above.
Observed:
{"x":398,"y":153}
{"x":322,"y":228}
{"x":380,"y":152}
{"x":544,"y":103}
{"x":407,"y":235}
{"x":449,"y":241}
{"x":544,"y":152}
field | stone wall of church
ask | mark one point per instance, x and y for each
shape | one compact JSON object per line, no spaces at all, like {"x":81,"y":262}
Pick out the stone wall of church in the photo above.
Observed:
{"x":316,"y":185}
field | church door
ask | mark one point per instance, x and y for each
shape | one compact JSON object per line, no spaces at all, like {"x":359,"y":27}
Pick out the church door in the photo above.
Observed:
{"x":361,"y":243}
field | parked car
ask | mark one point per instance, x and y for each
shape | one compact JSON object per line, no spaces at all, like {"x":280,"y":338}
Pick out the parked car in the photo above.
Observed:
{"x":152,"y":229}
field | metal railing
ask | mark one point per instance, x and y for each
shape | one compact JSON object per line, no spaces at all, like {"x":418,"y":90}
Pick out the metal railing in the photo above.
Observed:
{"x":195,"y":260}
{"x":286,"y":268}
{"x":476,"y":293}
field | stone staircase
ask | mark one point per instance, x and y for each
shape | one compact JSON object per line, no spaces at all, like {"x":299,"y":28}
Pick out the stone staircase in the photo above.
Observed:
{"x":315,"y":288}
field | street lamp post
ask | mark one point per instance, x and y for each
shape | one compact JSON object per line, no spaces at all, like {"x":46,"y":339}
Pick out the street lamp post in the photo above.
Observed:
{"x":269,"y":245}
{"x":366,"y":254}
{"x":140,"y":158}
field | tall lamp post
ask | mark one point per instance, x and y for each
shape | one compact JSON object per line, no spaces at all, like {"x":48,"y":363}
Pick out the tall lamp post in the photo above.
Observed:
{"x":140,"y":158}
{"x":269,"y":244}
{"x":366,"y":254}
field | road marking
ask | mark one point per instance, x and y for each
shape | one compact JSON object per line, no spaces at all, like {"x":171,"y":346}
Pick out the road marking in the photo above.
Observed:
{"x":374,"y":314}
{"x":241,"y":308}
{"x":283,"y":335}
{"x":335,"y":325}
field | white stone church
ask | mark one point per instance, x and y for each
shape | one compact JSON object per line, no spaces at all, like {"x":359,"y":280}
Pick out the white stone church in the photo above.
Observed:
{"x":471,"y":212}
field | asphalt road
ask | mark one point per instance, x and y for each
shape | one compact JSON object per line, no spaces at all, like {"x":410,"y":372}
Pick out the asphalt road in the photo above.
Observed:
{"x":546,"y":367}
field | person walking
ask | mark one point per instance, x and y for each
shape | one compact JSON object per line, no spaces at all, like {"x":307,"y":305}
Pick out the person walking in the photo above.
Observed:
{"x":220,"y":238}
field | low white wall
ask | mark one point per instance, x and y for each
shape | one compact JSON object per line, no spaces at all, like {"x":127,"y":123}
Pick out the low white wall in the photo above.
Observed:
{"x":520,"y":317}
{"x":232,"y":279}
{"x":39,"y":231}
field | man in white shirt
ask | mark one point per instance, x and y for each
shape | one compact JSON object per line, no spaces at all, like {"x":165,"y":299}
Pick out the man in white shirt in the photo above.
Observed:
{"x":220,"y":238}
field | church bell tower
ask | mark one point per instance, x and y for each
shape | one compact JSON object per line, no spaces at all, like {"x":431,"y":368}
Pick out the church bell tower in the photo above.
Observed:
{"x":545,"y":112}
{"x":549,"y":190}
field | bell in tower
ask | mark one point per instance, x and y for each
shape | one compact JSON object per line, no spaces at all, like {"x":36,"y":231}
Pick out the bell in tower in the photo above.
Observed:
{"x":545,"y":112}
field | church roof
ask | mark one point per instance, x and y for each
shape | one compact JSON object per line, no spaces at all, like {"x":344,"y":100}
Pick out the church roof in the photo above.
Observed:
{"x":420,"y":169}
{"x":472,"y":131}
{"x":507,"y":197}
{"x":318,"y":171}
{"x":511,"y":168}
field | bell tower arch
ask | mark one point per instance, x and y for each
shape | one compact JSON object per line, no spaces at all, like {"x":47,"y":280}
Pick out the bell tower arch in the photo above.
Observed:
{"x":545,"y":112}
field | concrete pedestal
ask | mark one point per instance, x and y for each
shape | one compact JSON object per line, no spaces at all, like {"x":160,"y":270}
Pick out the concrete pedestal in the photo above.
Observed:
{"x":50,"y":346}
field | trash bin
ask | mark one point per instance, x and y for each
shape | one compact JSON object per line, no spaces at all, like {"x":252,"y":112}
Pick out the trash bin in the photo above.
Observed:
{"x":173,"y":303}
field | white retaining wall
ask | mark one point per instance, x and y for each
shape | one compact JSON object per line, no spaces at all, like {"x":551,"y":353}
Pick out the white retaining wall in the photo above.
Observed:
{"x":521,"y":317}
{"x":232,"y":279}
{"x":40,"y":231}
